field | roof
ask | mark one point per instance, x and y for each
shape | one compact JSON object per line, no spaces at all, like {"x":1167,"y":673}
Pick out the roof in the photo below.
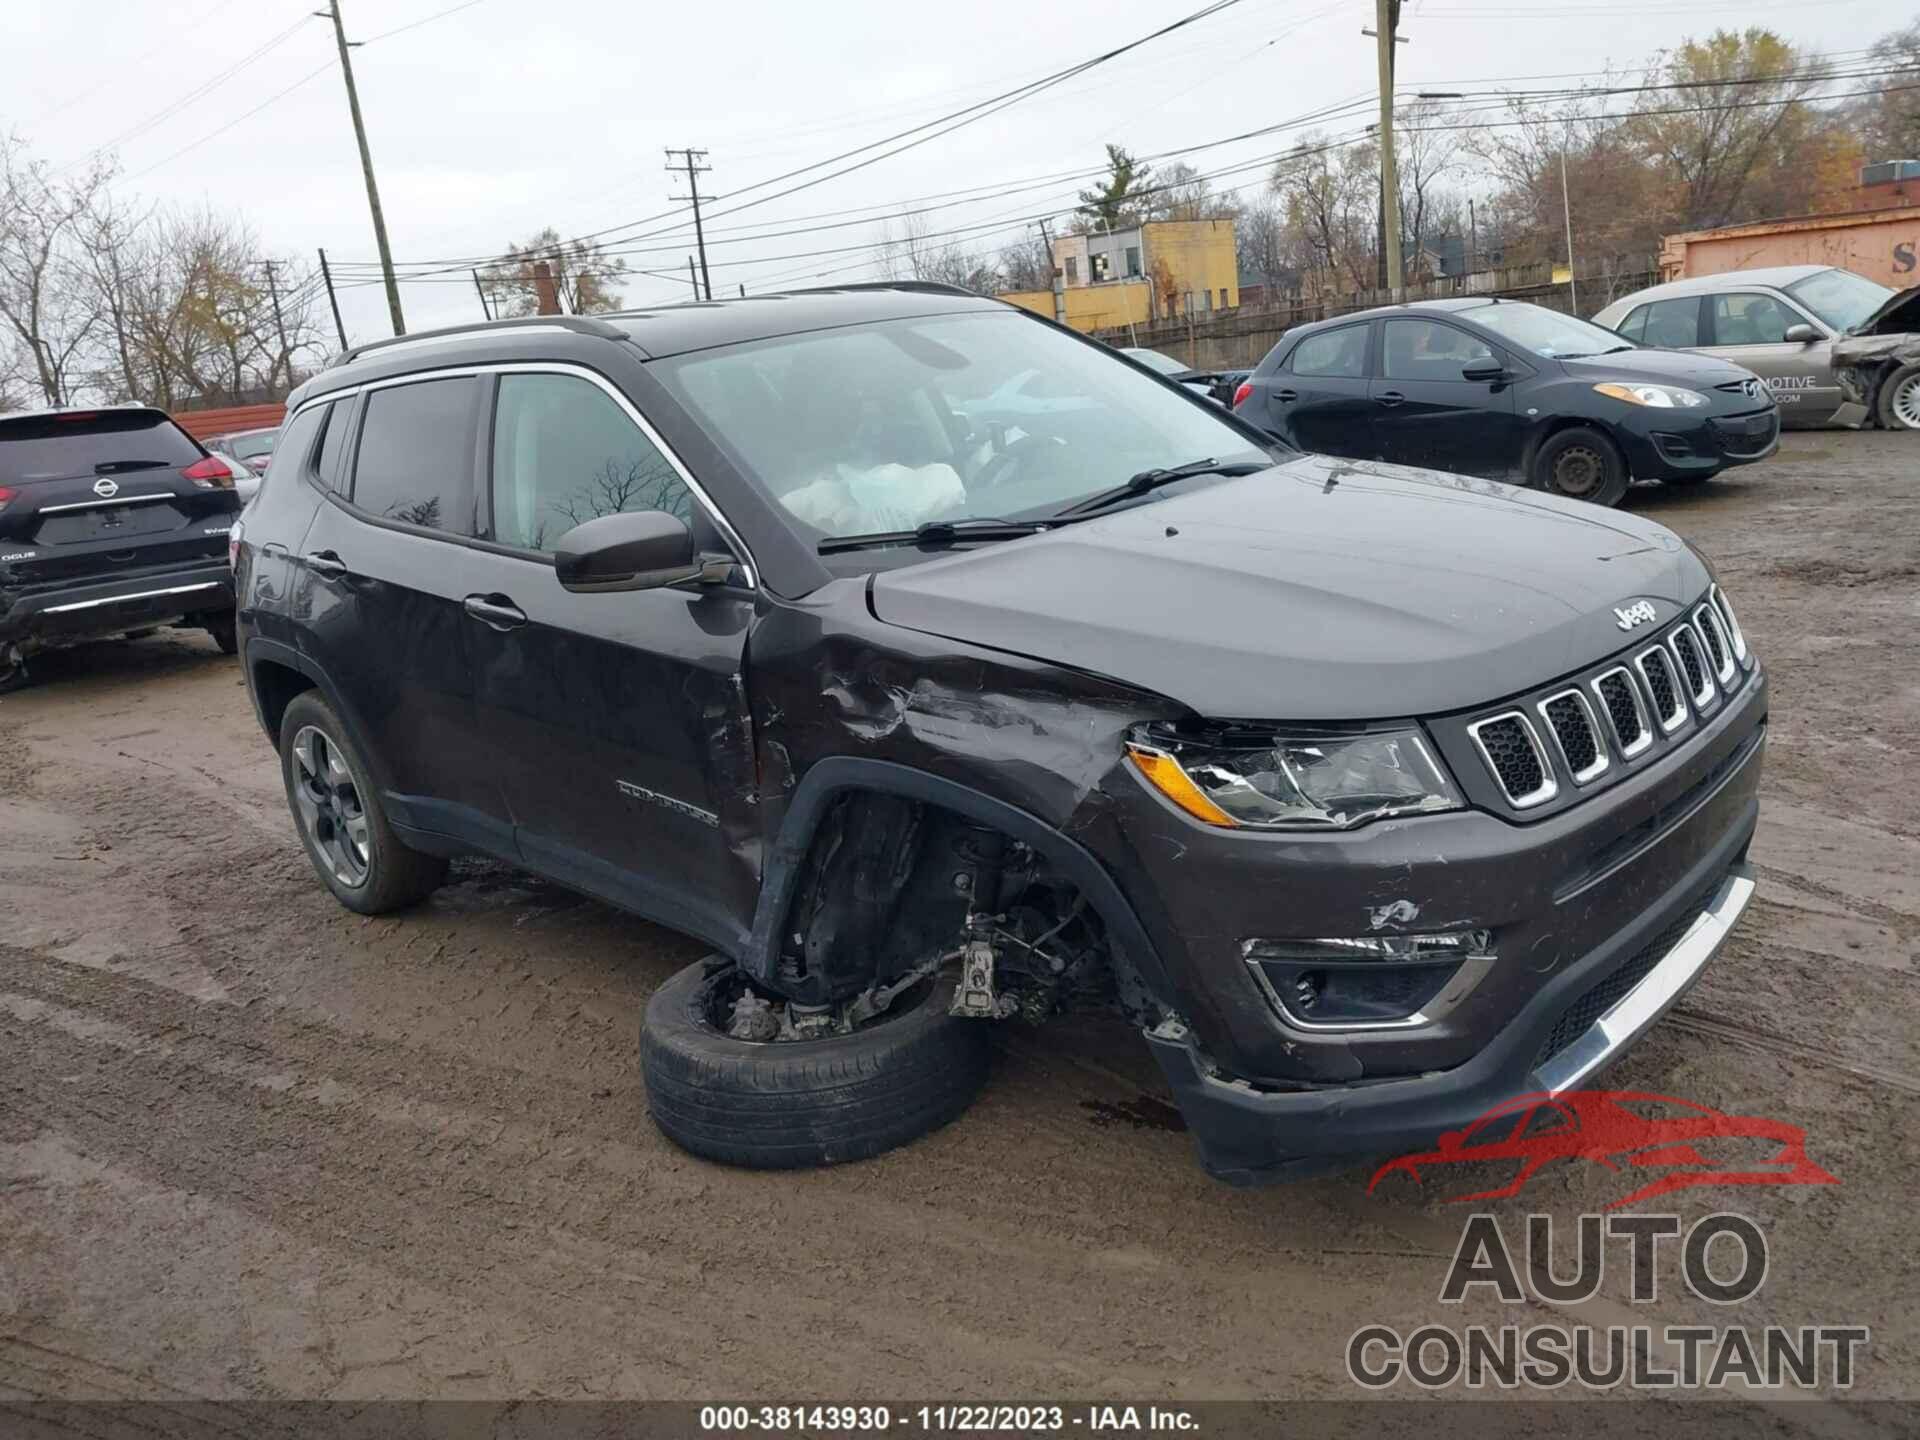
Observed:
{"x":665,"y":330}
{"x":1412,"y":307}
{"x":1776,"y":276}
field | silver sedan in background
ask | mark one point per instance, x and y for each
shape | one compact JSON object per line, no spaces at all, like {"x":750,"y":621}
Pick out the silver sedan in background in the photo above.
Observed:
{"x":1783,"y":323}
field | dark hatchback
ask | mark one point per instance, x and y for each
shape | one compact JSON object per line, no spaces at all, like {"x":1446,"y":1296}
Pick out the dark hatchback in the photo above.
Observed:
{"x":1510,"y":391}
{"x":112,"y":520}
{"x":1371,"y":796}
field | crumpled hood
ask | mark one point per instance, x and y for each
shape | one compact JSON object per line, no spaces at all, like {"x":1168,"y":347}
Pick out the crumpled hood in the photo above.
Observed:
{"x":1319,"y":590}
{"x":1900,"y":314}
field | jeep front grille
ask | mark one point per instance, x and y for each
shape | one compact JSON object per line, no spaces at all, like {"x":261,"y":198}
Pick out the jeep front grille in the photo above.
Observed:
{"x":1511,"y":748}
{"x":1620,"y":698}
{"x":1725,"y":607}
{"x":1570,"y":721}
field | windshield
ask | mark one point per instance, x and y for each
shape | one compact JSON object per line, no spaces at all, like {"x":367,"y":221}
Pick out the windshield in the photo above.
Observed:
{"x":988,"y":414}
{"x":1545,"y":332}
{"x":1840,"y":297}
{"x":1154,"y":360}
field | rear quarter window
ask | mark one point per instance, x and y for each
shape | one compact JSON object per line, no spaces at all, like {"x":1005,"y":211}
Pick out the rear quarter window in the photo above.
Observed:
{"x":1340,"y":354}
{"x":53,"y":447}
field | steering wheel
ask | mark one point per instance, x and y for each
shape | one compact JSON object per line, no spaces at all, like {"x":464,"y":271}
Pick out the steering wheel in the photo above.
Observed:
{"x":996,"y":471}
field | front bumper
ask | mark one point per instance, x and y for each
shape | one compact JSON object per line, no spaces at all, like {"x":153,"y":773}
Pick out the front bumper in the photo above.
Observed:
{"x":1678,"y":444}
{"x":1583,"y":903}
{"x":53,"y":614}
{"x":1247,"y":1136}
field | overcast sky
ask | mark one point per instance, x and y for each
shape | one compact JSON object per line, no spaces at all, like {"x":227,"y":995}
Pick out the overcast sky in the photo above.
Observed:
{"x":505,"y":116}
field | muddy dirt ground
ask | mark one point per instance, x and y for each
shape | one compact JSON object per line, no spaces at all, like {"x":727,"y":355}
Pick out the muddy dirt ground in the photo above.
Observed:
{"x":252,"y":1145}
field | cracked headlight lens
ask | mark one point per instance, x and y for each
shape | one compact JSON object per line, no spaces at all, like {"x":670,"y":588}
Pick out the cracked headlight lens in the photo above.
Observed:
{"x":1660,"y":397}
{"x":1304,"y":782}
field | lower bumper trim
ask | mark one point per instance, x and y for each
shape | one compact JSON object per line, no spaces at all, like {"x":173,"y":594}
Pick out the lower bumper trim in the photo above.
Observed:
{"x":125,"y":599}
{"x":1633,"y":1013}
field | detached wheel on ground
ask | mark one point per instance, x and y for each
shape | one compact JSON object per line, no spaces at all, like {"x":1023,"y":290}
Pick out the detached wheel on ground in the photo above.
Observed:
{"x":1899,"y":404}
{"x":1582,"y":464}
{"x":336,"y":808}
{"x":783,"y":1104}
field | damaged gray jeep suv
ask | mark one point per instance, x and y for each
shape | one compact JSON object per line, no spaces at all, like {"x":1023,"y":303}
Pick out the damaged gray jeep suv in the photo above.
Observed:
{"x":937,"y":666}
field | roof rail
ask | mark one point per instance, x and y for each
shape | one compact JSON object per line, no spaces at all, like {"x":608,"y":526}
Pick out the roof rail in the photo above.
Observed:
{"x":579,"y":324}
{"x":931,"y":287}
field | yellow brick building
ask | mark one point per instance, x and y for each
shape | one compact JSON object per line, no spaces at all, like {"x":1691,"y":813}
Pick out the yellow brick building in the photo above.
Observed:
{"x":1161,"y":269}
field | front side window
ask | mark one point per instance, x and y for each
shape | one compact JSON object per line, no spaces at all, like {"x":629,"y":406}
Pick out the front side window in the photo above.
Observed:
{"x":1423,"y":350}
{"x":1749,"y":319}
{"x":415,"y":463}
{"x":1340,"y":354}
{"x":565,"y":453}
{"x":888,"y":425}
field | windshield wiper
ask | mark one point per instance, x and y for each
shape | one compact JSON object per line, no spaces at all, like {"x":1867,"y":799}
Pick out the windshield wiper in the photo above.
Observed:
{"x":934,"y":532}
{"x":1152,"y":479}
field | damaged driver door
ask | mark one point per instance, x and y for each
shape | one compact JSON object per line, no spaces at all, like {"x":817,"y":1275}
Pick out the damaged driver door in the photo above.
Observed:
{"x":620,"y":717}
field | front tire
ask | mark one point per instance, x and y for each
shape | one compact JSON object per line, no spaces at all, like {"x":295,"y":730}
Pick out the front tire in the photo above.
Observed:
{"x":13,"y":670}
{"x":1581,"y":463}
{"x":784,"y":1104}
{"x":337,"y":810}
{"x":1899,"y":401}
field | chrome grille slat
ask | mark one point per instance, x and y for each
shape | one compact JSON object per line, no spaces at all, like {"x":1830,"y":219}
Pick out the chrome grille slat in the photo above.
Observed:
{"x":1512,"y":751}
{"x":1734,"y":632}
{"x":1626,"y":714}
{"x":1570,"y":721}
{"x":1661,"y":678}
{"x":1706,"y":620}
{"x":1690,"y":651}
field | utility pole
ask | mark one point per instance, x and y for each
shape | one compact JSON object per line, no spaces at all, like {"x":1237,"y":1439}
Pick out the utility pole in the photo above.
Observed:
{"x":333,"y":302}
{"x":1386,"y":23}
{"x":280,"y":329}
{"x":332,"y":12}
{"x":1057,"y":283}
{"x":1473,"y":236}
{"x":689,"y":167}
{"x":1566,"y":209}
{"x":481,"y":291}
{"x":693,"y":278}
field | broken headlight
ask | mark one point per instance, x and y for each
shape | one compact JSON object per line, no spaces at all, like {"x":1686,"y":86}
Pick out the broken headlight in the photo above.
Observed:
{"x":1295,"y":782}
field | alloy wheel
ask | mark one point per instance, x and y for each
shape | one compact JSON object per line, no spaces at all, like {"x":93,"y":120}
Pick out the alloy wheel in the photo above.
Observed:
{"x":1906,"y":403}
{"x":328,"y":800}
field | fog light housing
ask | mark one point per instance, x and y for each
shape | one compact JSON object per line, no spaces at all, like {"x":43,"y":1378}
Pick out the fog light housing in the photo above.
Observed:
{"x":1369,"y":982}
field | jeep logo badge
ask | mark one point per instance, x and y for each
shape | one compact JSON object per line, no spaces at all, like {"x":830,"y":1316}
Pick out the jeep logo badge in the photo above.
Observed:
{"x":105,"y":488}
{"x":1638,"y":613}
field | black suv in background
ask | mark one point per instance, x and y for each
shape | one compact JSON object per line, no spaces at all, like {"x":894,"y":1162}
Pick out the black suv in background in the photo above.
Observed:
{"x":1509,"y":391}
{"x":1371,"y":796}
{"x":111,"y":521}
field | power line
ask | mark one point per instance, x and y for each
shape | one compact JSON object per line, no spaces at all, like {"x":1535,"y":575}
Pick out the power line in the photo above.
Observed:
{"x":901,"y":141}
{"x":272,"y":99}
{"x":423,"y":20}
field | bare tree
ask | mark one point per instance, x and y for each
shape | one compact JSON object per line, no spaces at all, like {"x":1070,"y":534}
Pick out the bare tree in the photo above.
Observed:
{"x":1027,"y":264}
{"x":909,"y":250}
{"x":1181,"y":193}
{"x":548,"y":275}
{"x":1330,"y":195}
{"x":44,"y":298}
{"x":1428,"y":153}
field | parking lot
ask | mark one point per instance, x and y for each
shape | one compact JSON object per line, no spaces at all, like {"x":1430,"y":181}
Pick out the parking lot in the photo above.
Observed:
{"x":252,"y":1145}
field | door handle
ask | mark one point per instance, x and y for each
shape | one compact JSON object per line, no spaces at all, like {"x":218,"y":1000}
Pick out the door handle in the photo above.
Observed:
{"x":325,"y":562}
{"x":495,"y":610}
{"x":274,"y":548}
{"x":1284,"y":395}
{"x":1389,"y":398}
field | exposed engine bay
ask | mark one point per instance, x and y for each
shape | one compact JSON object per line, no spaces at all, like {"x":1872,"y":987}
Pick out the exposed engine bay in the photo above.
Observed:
{"x":897,"y":894}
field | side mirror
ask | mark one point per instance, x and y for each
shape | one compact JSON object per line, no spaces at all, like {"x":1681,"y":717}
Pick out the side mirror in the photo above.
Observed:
{"x":1801,"y":334}
{"x":1488,"y":369}
{"x":635,"y":550}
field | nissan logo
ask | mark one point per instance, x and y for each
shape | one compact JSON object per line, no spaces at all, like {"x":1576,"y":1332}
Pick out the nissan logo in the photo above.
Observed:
{"x":105,"y":488}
